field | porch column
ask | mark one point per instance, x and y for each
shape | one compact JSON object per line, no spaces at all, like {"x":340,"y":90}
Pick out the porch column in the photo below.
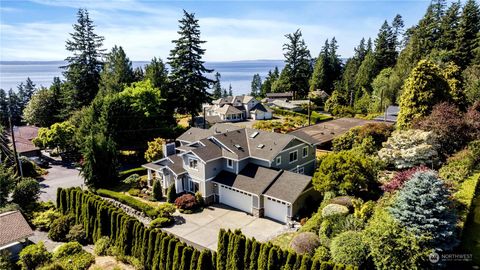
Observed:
{"x":149,"y":183}
{"x":178,"y":184}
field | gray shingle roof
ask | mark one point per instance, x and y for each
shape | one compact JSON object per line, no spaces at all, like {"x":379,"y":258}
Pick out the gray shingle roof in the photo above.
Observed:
{"x":261,"y":107}
{"x":288,"y":186}
{"x":194,"y":134}
{"x":13,"y":228}
{"x":174,"y":163}
{"x":228,"y":109}
{"x":253,"y":179}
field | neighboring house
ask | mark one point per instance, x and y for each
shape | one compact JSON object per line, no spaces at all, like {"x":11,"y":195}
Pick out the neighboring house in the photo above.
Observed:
{"x":286,"y":105}
{"x":14,"y":232}
{"x":238,"y":108}
{"x":23,"y":141}
{"x":390,"y":114}
{"x":281,"y":96}
{"x":262,"y":173}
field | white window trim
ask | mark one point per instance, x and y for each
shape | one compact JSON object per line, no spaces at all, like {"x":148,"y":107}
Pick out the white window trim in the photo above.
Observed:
{"x":301,"y":170}
{"x":229,"y":160}
{"x":306,"y":155}
{"x":189,"y":160}
{"x":278,"y":160}
{"x":293,"y":161}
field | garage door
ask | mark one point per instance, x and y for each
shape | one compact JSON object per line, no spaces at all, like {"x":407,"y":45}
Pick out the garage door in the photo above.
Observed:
{"x":275,"y":209}
{"x":236,"y":199}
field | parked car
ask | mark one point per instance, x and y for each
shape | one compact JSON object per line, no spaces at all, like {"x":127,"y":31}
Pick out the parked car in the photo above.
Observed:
{"x":43,"y":163}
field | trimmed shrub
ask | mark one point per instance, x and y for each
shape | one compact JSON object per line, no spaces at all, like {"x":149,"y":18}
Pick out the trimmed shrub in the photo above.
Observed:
{"x":34,"y":256}
{"x":161,"y":222}
{"x":60,"y":228}
{"x":171,"y":194}
{"x":101,"y":246}
{"x":349,"y":248}
{"x":133,"y":180}
{"x":67,"y":249}
{"x":343,"y":200}
{"x":157,"y":190}
{"x":130,"y":201}
{"x":43,"y":220}
{"x":321,"y":254}
{"x":77,"y":233}
{"x":186,"y":202}
{"x":334,"y":209}
{"x":26,"y":192}
{"x":305,"y":243}
{"x":134,"y":192}
{"x":199,"y":198}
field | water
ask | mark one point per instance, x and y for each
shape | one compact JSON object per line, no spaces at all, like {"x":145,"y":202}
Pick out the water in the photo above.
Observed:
{"x":237,"y":73}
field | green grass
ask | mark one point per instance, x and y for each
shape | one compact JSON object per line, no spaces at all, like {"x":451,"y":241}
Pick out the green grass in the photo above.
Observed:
{"x":127,"y":173}
{"x":130,"y":201}
{"x":283,"y":240}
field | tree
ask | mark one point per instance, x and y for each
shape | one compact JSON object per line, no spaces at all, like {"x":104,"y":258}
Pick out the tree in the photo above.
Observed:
{"x":15,"y":107}
{"x":449,"y":28}
{"x":82,"y":72}
{"x":468,"y":29}
{"x":366,"y":73}
{"x":297,"y":64}
{"x":347,"y":173}
{"x":157,"y":73}
{"x":34,"y":256}
{"x":230,"y":90}
{"x":59,"y":136}
{"x":205,"y":261}
{"x":320,"y":75}
{"x":397,"y":28}
{"x":383,"y":92}
{"x":187,"y":68}
{"x":217,"y":87}
{"x":99,"y":166}
{"x":424,"y":207}
{"x":7,"y":183}
{"x":256,"y":86}
{"x":26,"y":192}
{"x":471,"y":79}
{"x":269,"y":80}
{"x":41,"y":109}
{"x":349,"y":248}
{"x":425,"y":87}
{"x":4,"y":107}
{"x":117,"y":71}
{"x":157,"y":190}
{"x":385,"y":47}
{"x":171,"y":193}
{"x":155,"y":150}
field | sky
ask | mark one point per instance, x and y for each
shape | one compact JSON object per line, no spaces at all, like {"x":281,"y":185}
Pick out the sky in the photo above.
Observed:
{"x":234,"y":30}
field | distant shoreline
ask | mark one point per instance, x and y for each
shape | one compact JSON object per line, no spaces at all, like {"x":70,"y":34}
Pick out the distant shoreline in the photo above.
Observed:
{"x":40,"y":62}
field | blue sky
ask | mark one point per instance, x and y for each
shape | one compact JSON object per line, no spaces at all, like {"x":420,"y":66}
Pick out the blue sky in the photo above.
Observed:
{"x":234,"y":30}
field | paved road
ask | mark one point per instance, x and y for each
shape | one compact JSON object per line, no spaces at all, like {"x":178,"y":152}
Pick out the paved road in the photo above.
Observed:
{"x":59,"y":176}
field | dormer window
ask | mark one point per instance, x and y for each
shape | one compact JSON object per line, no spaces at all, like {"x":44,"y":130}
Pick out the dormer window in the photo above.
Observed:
{"x":293,"y":156}
{"x":193,"y":163}
{"x":230,"y":163}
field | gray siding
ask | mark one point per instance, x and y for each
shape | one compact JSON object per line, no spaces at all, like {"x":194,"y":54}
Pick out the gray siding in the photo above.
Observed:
{"x":213,"y":167}
{"x":199,"y":173}
{"x":259,"y":162}
{"x":285,"y":156}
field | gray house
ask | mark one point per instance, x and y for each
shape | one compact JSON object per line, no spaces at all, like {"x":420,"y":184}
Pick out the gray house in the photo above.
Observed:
{"x":262,"y":173}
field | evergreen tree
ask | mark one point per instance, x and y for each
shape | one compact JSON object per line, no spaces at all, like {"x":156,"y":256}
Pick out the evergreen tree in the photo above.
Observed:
{"x":424,"y":88}
{"x":385,"y":47}
{"x":82,"y":72}
{"x":138,"y":74}
{"x":56,"y":102}
{"x":194,"y":260}
{"x":217,"y":87}
{"x":177,"y":255}
{"x":468,"y":29}
{"x":297,"y":64}
{"x":187,"y":68}
{"x":360,"y":50}
{"x":222,"y":250}
{"x":205,"y":260}
{"x":238,"y":253}
{"x":25,"y":92}
{"x":99,"y":166}
{"x":449,"y":27}
{"x":186,"y":258}
{"x":369,"y":46}
{"x":15,"y":107}
{"x":366,"y":73}
{"x":117,"y":71}
{"x":273,"y":260}
{"x":171,"y":193}
{"x":254,"y":255}
{"x":269,"y":81}
{"x":256,"y":86}
{"x":157,"y":73}
{"x":157,"y":190}
{"x":320,"y":77}
{"x":4,"y":102}
{"x":397,"y":29}
{"x":334,"y":61}
{"x":423,"y":206}
{"x":230,"y":91}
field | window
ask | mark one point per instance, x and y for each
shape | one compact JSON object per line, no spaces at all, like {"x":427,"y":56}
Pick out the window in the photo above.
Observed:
{"x":229,"y":163}
{"x":301,"y":170}
{"x":279,"y":160}
{"x":305,"y":151}
{"x":293,"y":156}
{"x":193,"y":163}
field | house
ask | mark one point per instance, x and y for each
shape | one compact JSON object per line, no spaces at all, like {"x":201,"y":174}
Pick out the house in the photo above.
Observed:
{"x":321,"y":135}
{"x":238,"y":108}
{"x":24,"y":136}
{"x":286,"y":105}
{"x":281,"y":96}
{"x":390,"y":114}
{"x":14,"y":231}
{"x":262,"y":173}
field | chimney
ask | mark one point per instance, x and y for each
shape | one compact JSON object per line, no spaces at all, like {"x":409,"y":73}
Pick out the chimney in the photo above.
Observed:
{"x":169,"y":149}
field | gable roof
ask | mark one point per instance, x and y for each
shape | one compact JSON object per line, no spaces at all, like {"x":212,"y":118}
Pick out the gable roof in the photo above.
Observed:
{"x":277,"y":95}
{"x":194,"y":134}
{"x":13,"y":228}
{"x":260,"y":107}
{"x":228,"y":109}
{"x":288,"y":186}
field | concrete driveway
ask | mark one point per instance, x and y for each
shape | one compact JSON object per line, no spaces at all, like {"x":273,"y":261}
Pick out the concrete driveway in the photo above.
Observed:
{"x":202,"y":228}
{"x":59,"y":176}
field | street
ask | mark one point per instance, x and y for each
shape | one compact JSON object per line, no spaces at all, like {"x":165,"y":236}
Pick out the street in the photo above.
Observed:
{"x":59,"y":176}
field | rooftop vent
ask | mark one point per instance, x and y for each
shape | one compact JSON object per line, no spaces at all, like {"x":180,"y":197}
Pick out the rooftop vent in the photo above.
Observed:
{"x":237,"y":146}
{"x":254,"y":134}
{"x":260,"y":146}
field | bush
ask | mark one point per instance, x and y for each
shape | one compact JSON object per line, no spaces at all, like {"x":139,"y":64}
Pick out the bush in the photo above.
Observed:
{"x":77,"y":233}
{"x":186,"y":202}
{"x":134,"y":192}
{"x":101,"y":246}
{"x":26,"y":192}
{"x":321,"y":254}
{"x":462,"y":164}
{"x":157,"y":193}
{"x":133,"y":180}
{"x":199,"y":198}
{"x":161,"y":222}
{"x":166,"y":209}
{"x":5,"y":261}
{"x":305,"y":243}
{"x":60,"y":228}
{"x":464,"y":197}
{"x":343,"y":200}
{"x":400,"y":178}
{"x":334,"y":209}
{"x":43,"y":220}
{"x":79,"y":261}
{"x":171,"y":194}
{"x":52,"y":266}
{"x":363,"y":210}
{"x":130,"y":201}
{"x":349,"y":248}
{"x":34,"y":256}
{"x":30,"y":169}
{"x":67,"y":249}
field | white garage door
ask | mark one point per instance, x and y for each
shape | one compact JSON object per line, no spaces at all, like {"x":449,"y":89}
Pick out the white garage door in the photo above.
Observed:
{"x":236,"y":199}
{"x":275,"y":209}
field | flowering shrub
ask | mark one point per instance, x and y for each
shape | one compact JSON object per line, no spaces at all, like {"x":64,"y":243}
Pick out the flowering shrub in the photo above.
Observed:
{"x":186,"y":202}
{"x":334,"y":209}
{"x":401,"y":177}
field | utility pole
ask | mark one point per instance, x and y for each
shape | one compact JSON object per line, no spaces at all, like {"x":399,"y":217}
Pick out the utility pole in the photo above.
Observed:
{"x":204,"y":118}
{"x":15,"y":154}
{"x":309,"y":111}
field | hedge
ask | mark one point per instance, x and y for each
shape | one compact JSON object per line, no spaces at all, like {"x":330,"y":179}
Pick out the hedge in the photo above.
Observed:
{"x":130,"y":201}
{"x":465,"y":195}
{"x":127,"y":173}
{"x":158,"y":250}
{"x":315,"y":117}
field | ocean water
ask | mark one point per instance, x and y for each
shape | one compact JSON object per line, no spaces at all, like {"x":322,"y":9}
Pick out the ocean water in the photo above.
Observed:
{"x":237,"y":73}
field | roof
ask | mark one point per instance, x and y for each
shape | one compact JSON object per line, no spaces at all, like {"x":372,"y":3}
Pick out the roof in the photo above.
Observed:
{"x":194,"y":134}
{"x":260,"y":107}
{"x":328,"y":130}
{"x":276,"y":95}
{"x":288,"y":186}
{"x":228,"y":109}
{"x":211,"y":119}
{"x":174,"y":163}
{"x":253,"y":179}
{"x":13,"y":228}
{"x":284,"y":104}
{"x":390,"y":114}
{"x":23,"y":138}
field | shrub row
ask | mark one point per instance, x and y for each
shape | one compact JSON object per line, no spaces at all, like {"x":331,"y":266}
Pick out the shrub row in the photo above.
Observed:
{"x":157,"y":250}
{"x":465,"y":195}
{"x":314,"y":116}
{"x":130,"y":201}
{"x":236,"y":252}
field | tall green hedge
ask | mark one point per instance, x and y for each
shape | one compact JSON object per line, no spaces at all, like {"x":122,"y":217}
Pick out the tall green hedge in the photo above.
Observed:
{"x":158,"y":250}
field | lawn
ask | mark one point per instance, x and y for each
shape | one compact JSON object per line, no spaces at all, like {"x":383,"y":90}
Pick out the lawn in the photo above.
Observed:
{"x":283,"y":240}
{"x":471,"y":233}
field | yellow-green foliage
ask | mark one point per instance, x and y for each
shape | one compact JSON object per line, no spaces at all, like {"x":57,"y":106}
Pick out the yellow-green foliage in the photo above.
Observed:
{"x":464,"y":196}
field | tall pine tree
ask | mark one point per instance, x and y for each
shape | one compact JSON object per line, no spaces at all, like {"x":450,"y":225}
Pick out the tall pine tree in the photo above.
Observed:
{"x":157,"y":73}
{"x":256,"y":86}
{"x":468,"y":29}
{"x":187,"y":68}
{"x":217,"y":87}
{"x":117,"y":71}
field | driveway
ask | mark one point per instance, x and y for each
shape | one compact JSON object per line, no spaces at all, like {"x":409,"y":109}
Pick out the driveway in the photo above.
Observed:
{"x":202,"y":228}
{"x":59,"y":176}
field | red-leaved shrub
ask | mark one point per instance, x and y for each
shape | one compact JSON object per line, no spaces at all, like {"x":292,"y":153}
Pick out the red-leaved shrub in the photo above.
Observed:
{"x":399,"y":179}
{"x":186,"y":202}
